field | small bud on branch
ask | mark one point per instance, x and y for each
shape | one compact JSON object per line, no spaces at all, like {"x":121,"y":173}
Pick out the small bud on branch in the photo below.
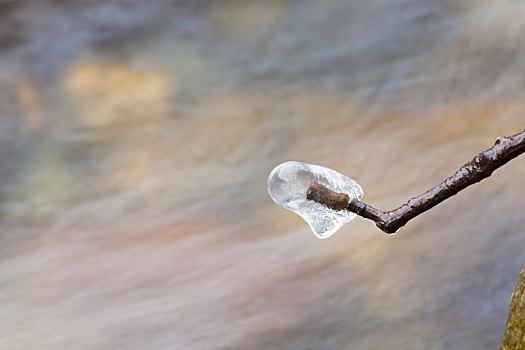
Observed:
{"x":321,"y":194}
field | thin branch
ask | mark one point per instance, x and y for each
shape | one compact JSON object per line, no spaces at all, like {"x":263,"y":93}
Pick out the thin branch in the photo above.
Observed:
{"x":479,"y":168}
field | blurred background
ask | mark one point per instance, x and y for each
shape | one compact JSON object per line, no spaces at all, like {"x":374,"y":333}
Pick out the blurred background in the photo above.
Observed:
{"x":136,"y":138}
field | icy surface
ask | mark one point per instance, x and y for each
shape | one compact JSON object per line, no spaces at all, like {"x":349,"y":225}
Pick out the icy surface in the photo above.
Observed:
{"x":288,"y":183}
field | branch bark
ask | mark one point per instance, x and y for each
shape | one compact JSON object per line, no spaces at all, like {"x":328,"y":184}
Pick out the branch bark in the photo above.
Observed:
{"x":479,"y":168}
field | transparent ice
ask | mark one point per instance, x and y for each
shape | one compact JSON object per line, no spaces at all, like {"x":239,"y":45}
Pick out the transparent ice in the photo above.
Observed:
{"x":288,"y":183}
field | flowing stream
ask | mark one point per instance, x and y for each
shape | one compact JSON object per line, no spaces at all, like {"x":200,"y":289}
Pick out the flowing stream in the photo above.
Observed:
{"x":136,"y":138}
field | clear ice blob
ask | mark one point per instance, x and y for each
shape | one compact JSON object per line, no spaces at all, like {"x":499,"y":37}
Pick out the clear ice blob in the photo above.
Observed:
{"x":288,"y":183}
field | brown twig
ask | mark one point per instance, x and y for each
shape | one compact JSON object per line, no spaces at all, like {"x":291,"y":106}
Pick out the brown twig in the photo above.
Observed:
{"x":479,"y":168}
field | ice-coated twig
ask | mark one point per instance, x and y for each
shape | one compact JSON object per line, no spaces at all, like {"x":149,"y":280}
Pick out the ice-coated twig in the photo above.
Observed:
{"x":479,"y":168}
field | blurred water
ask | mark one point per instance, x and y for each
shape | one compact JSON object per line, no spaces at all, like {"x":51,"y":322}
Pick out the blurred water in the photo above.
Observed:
{"x":135,"y":142}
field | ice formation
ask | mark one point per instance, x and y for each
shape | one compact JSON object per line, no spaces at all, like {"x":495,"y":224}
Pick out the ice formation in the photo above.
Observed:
{"x":288,"y":183}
